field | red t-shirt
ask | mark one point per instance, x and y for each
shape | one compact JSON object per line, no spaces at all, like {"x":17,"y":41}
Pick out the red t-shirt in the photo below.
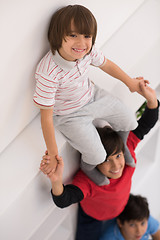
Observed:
{"x":108,"y":201}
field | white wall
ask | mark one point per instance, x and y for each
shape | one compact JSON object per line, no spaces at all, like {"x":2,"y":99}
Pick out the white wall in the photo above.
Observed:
{"x":128,"y":32}
{"x":23,"y":42}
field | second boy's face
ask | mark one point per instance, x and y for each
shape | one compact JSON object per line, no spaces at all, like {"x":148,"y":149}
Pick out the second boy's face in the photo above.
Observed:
{"x":113,"y":166}
{"x":75,"y":46}
{"x":133,"y":230}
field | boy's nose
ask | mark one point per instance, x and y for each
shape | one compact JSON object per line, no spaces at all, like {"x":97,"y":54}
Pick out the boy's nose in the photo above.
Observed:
{"x":138,"y":230}
{"x":114,"y":165}
{"x":80,"y":40}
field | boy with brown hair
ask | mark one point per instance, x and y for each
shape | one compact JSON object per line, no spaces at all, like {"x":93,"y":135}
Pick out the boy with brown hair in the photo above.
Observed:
{"x":68,"y":99}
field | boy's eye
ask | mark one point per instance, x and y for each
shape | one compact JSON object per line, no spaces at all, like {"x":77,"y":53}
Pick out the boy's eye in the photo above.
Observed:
{"x":87,"y":36}
{"x":143,"y":223}
{"x":132,"y":225}
{"x":72,"y":35}
{"x":118,"y":155}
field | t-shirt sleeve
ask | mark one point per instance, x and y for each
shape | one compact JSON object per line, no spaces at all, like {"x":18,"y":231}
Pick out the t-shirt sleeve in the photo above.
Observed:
{"x":81,"y":181}
{"x":146,"y":122}
{"x":46,"y":87}
{"x":153,"y":225}
{"x":132,"y":143}
{"x":71,"y":194}
{"x":97,"y":57}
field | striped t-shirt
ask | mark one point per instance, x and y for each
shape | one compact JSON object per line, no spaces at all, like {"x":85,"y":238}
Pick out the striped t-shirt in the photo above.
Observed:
{"x":63,"y":84}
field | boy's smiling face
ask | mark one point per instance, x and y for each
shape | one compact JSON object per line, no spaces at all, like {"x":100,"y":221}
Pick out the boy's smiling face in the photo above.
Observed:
{"x":75,"y":46}
{"x":113,"y":166}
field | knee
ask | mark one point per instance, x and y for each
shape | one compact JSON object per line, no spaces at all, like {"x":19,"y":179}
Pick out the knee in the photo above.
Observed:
{"x":129,"y":121}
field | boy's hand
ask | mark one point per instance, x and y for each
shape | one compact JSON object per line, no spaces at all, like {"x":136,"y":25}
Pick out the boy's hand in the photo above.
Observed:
{"x":134,"y":84}
{"x":54,"y":175}
{"x":51,"y":164}
{"x":149,"y":94}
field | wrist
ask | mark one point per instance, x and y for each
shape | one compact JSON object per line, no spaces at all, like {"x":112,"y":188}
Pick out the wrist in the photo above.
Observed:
{"x":128,"y":81}
{"x":57,"y":188}
{"x":151,"y":104}
{"x":52,"y":157}
{"x":52,"y":154}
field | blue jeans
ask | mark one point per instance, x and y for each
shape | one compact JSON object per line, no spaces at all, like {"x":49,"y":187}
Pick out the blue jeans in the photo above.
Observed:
{"x":88,"y":228}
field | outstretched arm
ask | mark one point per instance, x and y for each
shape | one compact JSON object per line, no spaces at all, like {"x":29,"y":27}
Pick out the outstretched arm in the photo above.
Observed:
{"x":49,"y":136}
{"x":63,"y":196}
{"x":54,"y":176}
{"x":150,"y":115}
{"x":132,"y":83}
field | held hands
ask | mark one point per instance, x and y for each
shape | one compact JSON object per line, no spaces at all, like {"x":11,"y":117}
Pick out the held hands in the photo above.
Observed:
{"x":134,"y":84}
{"x":51,"y":164}
{"x":149,"y":94}
{"x":141,"y":86}
{"x":54,"y":175}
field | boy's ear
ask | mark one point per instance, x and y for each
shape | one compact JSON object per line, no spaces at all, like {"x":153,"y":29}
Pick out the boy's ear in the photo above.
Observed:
{"x":119,"y":223}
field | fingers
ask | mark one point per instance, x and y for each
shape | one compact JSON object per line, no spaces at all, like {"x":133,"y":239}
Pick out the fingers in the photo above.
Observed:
{"x":60,"y":161}
{"x":45,"y":169}
{"x":144,"y":85}
{"x":146,"y":82}
{"x":140,"y":78}
{"x":50,"y":173}
{"x":48,"y":167}
{"x":58,"y":158}
{"x":44,"y":166}
{"x":141,"y":86}
{"x":46,"y":157}
{"x":45,"y":160}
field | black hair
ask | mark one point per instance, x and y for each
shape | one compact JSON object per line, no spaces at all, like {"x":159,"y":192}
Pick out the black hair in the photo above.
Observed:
{"x":136,"y":209}
{"x":111,"y":141}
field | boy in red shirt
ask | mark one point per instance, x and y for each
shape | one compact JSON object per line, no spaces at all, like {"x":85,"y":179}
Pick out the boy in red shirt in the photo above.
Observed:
{"x":98,"y":203}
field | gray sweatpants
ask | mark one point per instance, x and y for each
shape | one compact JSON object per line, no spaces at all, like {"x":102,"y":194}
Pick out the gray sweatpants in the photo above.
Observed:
{"x":80,"y":132}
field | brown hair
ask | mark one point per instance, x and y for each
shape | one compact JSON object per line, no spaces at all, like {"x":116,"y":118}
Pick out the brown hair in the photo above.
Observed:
{"x":60,"y":24}
{"x":111,"y":141}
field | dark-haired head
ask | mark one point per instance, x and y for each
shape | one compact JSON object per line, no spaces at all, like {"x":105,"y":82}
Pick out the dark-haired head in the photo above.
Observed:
{"x":111,"y":141}
{"x":136,"y":209}
{"x":60,"y":24}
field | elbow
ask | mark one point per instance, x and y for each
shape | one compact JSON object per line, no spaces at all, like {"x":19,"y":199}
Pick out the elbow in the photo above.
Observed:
{"x":61,"y":205}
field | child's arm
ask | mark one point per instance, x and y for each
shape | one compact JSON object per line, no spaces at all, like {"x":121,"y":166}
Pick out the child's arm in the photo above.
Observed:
{"x":55,"y":176}
{"x":49,"y":137}
{"x":63,"y":196}
{"x":149,"y":94}
{"x":116,"y":72}
{"x":150,"y":115}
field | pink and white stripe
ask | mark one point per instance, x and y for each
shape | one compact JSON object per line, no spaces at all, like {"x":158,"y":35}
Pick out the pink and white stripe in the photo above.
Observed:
{"x":65,"y":85}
